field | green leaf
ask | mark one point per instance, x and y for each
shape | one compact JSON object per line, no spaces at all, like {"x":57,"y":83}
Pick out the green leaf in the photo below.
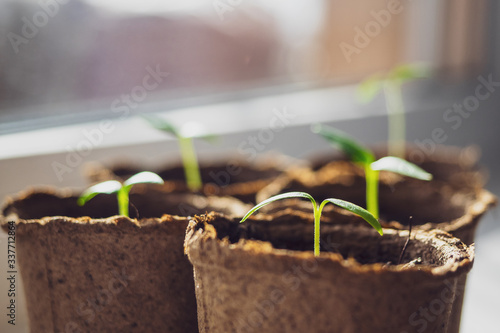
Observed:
{"x":278,"y":197}
{"x":400,"y":166}
{"x":107,"y":187}
{"x":369,"y":88}
{"x":407,"y":72}
{"x":143,"y":177}
{"x":366,"y":215}
{"x":356,"y":151}
{"x":161,"y":124}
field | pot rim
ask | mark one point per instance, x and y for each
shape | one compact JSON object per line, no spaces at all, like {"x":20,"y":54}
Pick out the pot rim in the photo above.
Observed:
{"x":140,"y":189}
{"x":118,"y":221}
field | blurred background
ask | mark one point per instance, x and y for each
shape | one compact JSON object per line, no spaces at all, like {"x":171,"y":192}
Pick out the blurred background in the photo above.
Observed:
{"x":233,"y":65}
{"x":56,"y":54}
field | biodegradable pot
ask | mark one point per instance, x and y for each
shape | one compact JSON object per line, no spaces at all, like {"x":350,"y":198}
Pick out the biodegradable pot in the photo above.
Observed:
{"x":262,"y":276}
{"x":238,"y":178}
{"x":84,"y":271}
{"x":455,"y":166}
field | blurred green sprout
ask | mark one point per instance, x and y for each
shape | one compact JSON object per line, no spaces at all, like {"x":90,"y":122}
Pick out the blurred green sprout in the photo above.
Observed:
{"x":390,"y":83}
{"x":185,"y":137}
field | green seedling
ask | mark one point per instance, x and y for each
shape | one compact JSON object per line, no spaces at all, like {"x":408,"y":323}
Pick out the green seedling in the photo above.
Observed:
{"x":122,"y":190}
{"x":365,"y":158}
{"x":186,"y":146}
{"x":366,"y":215}
{"x":390,"y":83}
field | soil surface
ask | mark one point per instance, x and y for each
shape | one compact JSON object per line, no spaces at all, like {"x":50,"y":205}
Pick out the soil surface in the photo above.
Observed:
{"x":145,"y":201}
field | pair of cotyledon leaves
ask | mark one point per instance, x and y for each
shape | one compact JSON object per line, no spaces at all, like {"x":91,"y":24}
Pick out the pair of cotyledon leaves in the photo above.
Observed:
{"x":364,"y":156}
{"x":114,"y":186}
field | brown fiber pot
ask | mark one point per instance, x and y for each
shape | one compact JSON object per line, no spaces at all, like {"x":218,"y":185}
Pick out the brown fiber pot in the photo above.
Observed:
{"x":238,"y":178}
{"x":85,"y":270}
{"x":262,"y":276}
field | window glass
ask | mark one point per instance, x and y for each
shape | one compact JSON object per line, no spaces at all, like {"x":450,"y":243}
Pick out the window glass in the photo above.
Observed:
{"x":73,"y":60}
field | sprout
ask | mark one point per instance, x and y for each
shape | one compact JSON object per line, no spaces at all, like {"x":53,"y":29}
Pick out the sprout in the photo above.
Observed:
{"x":391,"y":83}
{"x":188,"y":153}
{"x":367,"y":216}
{"x":122,"y":190}
{"x":364,"y":157}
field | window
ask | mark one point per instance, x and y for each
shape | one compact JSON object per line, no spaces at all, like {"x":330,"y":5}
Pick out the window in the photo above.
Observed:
{"x":74,"y":60}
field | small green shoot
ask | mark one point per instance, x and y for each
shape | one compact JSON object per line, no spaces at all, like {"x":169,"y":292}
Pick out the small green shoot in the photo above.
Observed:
{"x":122,"y":190}
{"x":391,"y":83}
{"x":365,"y":158}
{"x":186,"y":146}
{"x":367,"y":216}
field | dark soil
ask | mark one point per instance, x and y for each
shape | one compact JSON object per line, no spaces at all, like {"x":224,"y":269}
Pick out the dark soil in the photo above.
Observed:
{"x":295,"y":231}
{"x":222,"y":175}
{"x":145,"y":202}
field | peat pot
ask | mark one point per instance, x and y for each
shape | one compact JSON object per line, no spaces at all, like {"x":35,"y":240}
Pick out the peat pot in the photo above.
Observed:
{"x":262,"y":276}
{"x":85,"y":270}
